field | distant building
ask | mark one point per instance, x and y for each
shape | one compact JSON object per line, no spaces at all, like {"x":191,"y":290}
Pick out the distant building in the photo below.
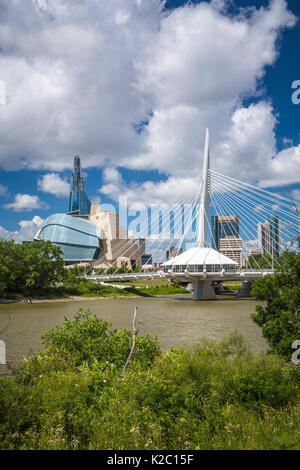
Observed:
{"x":85,"y":233}
{"x":146,"y":260}
{"x":255,"y":252}
{"x":268,"y":236}
{"x":275,"y":239}
{"x":120,"y":250}
{"x":223,"y":226}
{"x":232,"y":247}
{"x":172,"y":251}
{"x":263,"y":237}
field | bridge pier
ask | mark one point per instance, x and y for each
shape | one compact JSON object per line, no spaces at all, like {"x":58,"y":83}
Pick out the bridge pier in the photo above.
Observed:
{"x":245,"y":290}
{"x":203,"y":290}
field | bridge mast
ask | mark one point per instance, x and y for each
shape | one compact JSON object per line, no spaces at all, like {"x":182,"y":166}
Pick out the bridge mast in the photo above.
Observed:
{"x":205,"y":197}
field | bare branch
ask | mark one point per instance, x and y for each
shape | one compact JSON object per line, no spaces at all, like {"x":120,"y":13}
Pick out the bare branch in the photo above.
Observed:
{"x":132,"y":352}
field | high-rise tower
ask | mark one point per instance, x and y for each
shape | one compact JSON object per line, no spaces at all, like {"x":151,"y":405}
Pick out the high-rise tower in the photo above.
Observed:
{"x":79,"y":202}
{"x":223,"y":226}
{"x":275,"y":239}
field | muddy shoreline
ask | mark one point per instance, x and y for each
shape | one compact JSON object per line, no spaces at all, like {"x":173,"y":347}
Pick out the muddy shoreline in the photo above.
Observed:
{"x":76,"y":298}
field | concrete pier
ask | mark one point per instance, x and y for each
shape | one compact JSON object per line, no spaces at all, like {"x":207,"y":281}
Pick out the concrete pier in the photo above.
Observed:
{"x":245,"y":290}
{"x":204,"y":291}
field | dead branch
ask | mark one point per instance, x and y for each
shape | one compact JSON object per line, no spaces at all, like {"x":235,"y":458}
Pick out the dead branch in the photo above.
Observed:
{"x":132,"y":351}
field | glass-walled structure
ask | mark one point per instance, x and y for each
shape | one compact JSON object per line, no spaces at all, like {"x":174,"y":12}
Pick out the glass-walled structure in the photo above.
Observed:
{"x":79,"y":240}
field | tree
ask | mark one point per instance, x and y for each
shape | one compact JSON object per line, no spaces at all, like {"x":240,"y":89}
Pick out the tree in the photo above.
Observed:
{"x":29,"y":267}
{"x":279,"y":315}
{"x":261,"y":261}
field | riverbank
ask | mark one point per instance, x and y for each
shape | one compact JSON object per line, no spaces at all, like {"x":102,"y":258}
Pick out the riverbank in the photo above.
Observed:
{"x":82,"y":288}
{"x":78,"y":298}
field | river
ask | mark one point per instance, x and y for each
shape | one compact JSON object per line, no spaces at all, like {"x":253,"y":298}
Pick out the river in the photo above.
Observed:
{"x":175,"y":320}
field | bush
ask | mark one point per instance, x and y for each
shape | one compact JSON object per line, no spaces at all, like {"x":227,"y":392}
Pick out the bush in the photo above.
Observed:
{"x":209,"y":396}
{"x":279,"y":315}
{"x":88,"y":338}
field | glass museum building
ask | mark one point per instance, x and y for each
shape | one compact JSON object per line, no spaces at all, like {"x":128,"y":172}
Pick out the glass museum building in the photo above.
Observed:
{"x":79,"y":239}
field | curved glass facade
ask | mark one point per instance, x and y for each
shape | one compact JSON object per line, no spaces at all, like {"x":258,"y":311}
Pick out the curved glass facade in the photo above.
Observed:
{"x":79,"y":239}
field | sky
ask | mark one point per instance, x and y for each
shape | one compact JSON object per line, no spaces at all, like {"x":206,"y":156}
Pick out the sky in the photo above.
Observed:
{"x":130,"y":86}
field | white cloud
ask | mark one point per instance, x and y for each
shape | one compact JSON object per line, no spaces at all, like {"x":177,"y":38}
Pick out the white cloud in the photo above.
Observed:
{"x":3,"y":190}
{"x":295,"y":194}
{"x":53,"y":184}
{"x":69,"y":69}
{"x":284,"y":169}
{"x":201,"y":66}
{"x":28,"y":229}
{"x":79,"y":74}
{"x":147,"y":193}
{"x":25,"y":203}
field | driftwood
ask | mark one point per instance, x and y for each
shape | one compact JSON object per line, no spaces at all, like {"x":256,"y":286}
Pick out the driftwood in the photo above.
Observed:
{"x":132,"y":351}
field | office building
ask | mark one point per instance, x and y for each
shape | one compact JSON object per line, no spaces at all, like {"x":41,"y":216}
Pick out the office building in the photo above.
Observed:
{"x":275,"y":239}
{"x":172,"y":251}
{"x":232,"y":247}
{"x":268,"y":236}
{"x":263,"y":237}
{"x":223,"y":226}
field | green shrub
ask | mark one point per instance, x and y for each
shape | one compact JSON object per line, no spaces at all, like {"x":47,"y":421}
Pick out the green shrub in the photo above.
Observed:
{"x":88,"y":338}
{"x":209,"y":396}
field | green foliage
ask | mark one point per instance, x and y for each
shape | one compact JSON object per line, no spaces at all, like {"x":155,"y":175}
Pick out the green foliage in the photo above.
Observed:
{"x":38,"y":269}
{"x":209,"y":396}
{"x":75,"y":285}
{"x":86,"y":339}
{"x":30,"y":267}
{"x":176,"y":283}
{"x":263,"y":261}
{"x":279,"y":315}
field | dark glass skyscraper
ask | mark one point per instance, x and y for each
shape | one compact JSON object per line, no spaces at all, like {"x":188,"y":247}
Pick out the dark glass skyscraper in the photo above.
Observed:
{"x":79,"y":201}
{"x":223,"y":226}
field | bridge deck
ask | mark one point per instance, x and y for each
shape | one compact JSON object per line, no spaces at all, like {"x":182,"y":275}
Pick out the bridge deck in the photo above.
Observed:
{"x":186,"y":276}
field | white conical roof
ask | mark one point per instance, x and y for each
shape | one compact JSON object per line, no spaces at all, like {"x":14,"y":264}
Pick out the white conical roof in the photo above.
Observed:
{"x":200,"y":256}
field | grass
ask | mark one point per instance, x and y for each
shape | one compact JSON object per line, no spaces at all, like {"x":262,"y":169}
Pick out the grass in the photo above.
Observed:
{"x":88,"y":289}
{"x":232,"y":285}
{"x":160,"y":282}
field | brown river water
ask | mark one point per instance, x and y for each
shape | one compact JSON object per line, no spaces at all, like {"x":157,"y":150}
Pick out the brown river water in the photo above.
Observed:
{"x":175,"y":320}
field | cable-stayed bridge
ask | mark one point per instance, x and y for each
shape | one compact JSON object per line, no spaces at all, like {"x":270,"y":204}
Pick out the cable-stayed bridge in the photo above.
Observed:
{"x":222,"y":229}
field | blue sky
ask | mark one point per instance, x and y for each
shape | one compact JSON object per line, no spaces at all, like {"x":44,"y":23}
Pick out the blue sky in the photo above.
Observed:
{"x":88,"y":97}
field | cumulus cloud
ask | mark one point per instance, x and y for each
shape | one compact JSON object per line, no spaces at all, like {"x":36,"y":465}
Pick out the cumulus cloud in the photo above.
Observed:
{"x":69,"y":70}
{"x":25,"y":203}
{"x":284,"y":169}
{"x":203,"y":64}
{"x":148,"y":193}
{"x":27,"y":231}
{"x":53,"y":184}
{"x":125,"y":83}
